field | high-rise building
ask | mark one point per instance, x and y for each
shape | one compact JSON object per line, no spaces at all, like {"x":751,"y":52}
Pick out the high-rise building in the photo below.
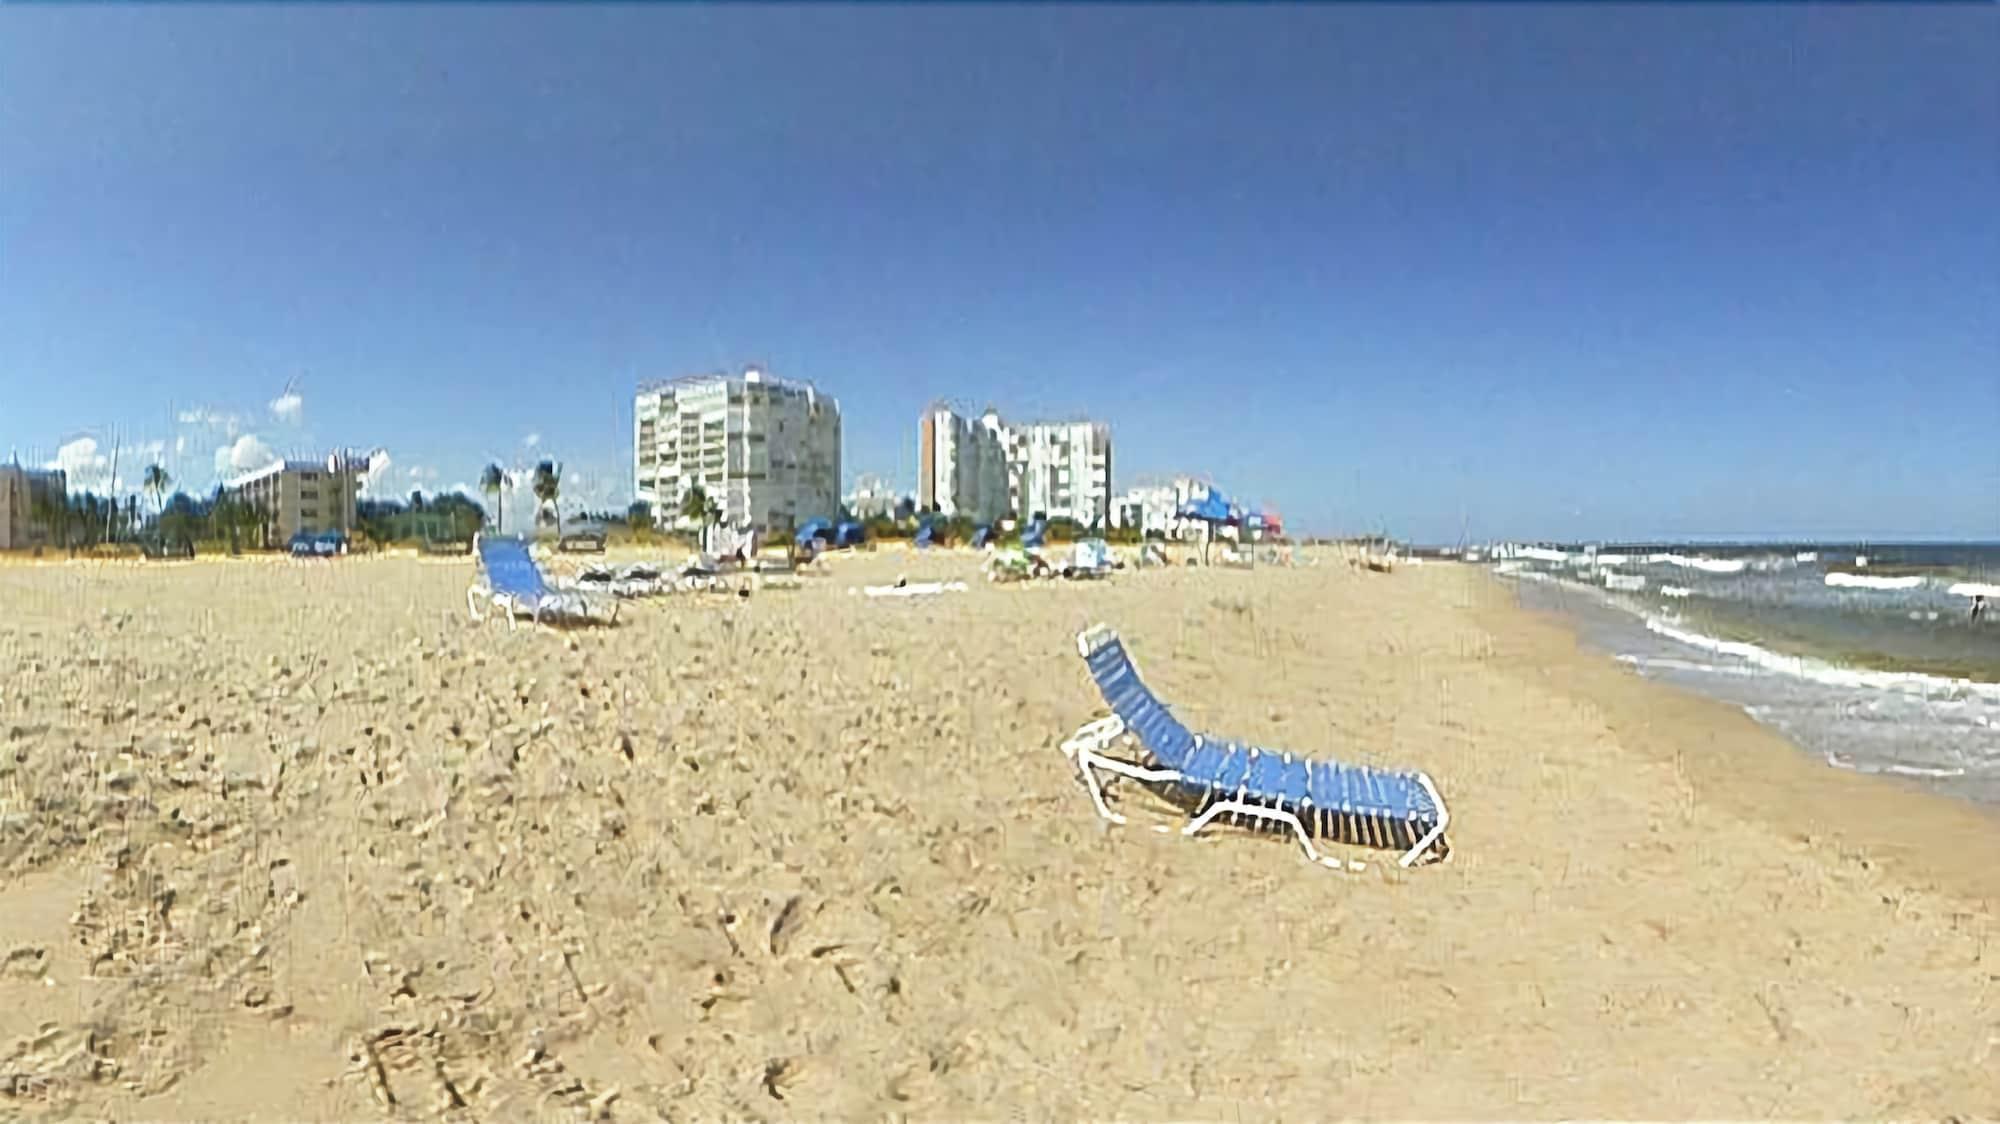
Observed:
{"x":1061,"y":470}
{"x":765,"y":450}
{"x":962,"y":464}
{"x":302,"y":496}
{"x":21,"y":526}
{"x":984,"y":467}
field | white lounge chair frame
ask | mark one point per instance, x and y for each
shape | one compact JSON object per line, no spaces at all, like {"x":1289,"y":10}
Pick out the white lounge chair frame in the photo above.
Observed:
{"x":1087,"y":751}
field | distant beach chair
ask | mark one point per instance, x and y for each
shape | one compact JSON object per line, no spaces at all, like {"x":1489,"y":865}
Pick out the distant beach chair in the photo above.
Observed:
{"x":511,"y":582}
{"x":1269,"y":789}
{"x":1090,"y":559}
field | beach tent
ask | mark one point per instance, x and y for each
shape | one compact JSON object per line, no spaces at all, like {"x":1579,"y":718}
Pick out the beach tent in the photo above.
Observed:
{"x":848,"y":535}
{"x":1212,"y":508}
{"x":1035,"y":534}
{"x":926,"y":534}
{"x":982,"y":536}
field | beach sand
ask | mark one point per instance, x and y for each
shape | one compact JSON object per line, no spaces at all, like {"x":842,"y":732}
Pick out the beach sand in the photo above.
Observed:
{"x":298,"y":841}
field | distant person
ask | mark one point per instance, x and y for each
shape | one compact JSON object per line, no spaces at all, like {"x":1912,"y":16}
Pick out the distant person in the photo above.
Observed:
{"x":1978,"y":607}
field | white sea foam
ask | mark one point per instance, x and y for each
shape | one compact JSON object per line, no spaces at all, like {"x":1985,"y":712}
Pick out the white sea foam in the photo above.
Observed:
{"x":1625,"y":582}
{"x":1676,"y":591}
{"x":1974,"y":589}
{"x":1613,"y":559}
{"x":1819,"y":671}
{"x":1669,"y":663}
{"x":1869,"y":581}
{"x":1541,"y":554}
{"x":1806,"y":556}
{"x":1706,"y":565}
{"x":1835,"y":760}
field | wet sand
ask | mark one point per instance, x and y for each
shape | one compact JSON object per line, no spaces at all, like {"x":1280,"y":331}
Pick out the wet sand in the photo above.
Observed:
{"x":298,"y":841}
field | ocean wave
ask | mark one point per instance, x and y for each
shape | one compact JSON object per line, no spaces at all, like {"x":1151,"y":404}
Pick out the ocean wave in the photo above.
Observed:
{"x":1669,"y":663}
{"x":1974,"y":589}
{"x":1819,"y":671}
{"x":1869,"y":581}
{"x":1676,"y":591}
{"x":1705,"y":565}
{"x":1834,"y":759}
{"x":1541,"y":554}
{"x":1624,"y":582}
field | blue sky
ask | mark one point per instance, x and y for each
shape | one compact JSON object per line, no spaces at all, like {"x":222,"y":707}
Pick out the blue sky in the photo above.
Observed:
{"x":1640,"y":271}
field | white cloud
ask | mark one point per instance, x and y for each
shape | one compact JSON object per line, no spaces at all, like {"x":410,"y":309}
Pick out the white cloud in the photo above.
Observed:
{"x":229,"y":424}
{"x":288,"y":407}
{"x":246,"y":454}
{"x":85,"y":468}
{"x":375,"y":481}
{"x":421,"y":472}
{"x":532,"y":440}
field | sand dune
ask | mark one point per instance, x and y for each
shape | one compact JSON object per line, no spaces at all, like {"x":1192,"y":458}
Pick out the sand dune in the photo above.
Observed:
{"x":298,"y":841}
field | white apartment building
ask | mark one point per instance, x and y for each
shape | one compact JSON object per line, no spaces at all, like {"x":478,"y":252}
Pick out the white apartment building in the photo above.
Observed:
{"x":299,"y":495}
{"x":20,"y":527}
{"x":767,"y":450}
{"x":984,"y":467}
{"x":963,"y":464}
{"x":1154,"y":509}
{"x":1061,"y":470}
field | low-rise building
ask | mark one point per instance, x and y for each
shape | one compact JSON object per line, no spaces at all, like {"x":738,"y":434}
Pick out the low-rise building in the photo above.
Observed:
{"x":23,"y":492}
{"x":311,"y":496}
{"x":872,"y":498}
{"x":1154,"y":509}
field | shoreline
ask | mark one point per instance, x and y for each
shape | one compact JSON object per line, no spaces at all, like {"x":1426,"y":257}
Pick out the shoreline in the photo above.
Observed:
{"x":1754,"y":771}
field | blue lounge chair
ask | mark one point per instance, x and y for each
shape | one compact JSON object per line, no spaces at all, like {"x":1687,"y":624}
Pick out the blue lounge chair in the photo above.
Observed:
{"x":1315,"y":799}
{"x":510,"y":580}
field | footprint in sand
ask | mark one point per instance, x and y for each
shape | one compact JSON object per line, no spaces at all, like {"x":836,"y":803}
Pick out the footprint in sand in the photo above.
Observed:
{"x":25,"y":962}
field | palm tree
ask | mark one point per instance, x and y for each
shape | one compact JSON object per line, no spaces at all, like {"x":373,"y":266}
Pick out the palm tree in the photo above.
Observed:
{"x":694,"y":504}
{"x":45,"y":509}
{"x":156,"y":484}
{"x":491,"y":482}
{"x":548,"y":490}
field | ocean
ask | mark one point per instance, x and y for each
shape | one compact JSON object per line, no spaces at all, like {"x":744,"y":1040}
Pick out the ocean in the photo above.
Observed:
{"x":1865,"y":655}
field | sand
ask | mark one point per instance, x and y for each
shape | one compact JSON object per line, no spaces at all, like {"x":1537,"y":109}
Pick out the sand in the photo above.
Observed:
{"x":297,"y":841}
